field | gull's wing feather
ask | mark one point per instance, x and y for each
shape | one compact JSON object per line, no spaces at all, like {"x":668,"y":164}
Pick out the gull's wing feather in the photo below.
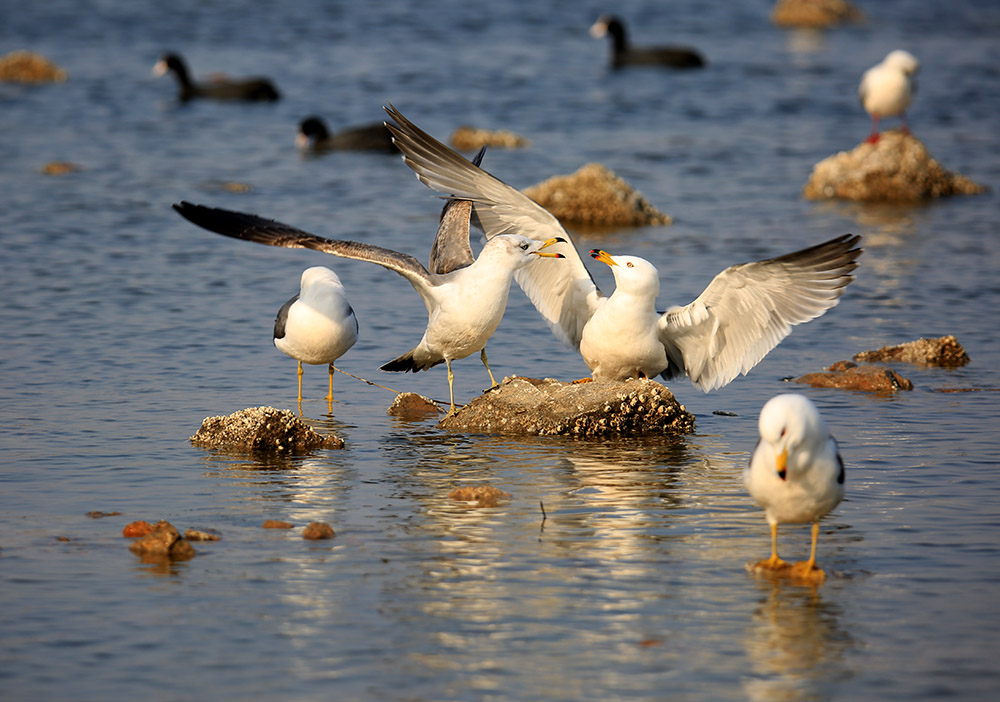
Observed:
{"x":565,"y":295}
{"x":749,"y":308}
{"x":248,"y":227}
{"x":451,"y":249}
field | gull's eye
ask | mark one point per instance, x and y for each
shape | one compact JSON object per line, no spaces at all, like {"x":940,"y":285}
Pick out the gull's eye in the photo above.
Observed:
{"x":524,"y":247}
{"x":630,"y":265}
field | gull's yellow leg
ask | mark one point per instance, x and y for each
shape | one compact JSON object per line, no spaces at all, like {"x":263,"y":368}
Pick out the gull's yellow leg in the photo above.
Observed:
{"x":451,"y":388}
{"x":493,"y":382}
{"x":774,"y":562}
{"x":300,"y":387}
{"x":329,"y":395}
{"x":808,"y":569}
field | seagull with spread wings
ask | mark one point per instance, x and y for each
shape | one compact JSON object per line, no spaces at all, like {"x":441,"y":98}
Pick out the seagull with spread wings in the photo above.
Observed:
{"x":745,"y":311}
{"x":465,"y":302}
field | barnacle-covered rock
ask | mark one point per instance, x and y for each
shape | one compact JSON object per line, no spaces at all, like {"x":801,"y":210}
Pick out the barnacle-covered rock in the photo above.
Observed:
{"x":261,"y":429}
{"x":552,"y":407}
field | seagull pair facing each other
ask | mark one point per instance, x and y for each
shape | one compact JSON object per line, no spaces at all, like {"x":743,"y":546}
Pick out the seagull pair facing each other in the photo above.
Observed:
{"x":744,"y":312}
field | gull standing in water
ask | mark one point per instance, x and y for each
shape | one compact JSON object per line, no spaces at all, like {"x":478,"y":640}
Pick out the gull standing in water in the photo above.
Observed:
{"x":795,"y":473}
{"x":887,"y":89}
{"x":745,"y":311}
{"x":317,"y":325}
{"x":464,"y":306}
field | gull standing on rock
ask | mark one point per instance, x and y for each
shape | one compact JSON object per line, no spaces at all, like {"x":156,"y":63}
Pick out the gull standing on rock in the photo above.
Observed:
{"x":744,"y":312}
{"x":887,"y":89}
{"x":464,"y":306}
{"x":796,"y":474}
{"x":317,"y":325}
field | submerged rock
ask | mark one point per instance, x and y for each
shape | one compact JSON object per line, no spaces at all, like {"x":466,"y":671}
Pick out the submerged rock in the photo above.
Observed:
{"x":163,"y":542}
{"x":316,"y":531}
{"x":410,"y":405}
{"x":814,"y":14}
{"x":594,"y":196}
{"x":29,"y":67}
{"x":276,"y":524}
{"x":551,"y":407}
{"x":198,"y":535}
{"x":944,"y":351}
{"x":467,"y":138}
{"x":261,"y":429}
{"x":897,"y":168}
{"x":482,"y":495}
{"x":845,"y":375}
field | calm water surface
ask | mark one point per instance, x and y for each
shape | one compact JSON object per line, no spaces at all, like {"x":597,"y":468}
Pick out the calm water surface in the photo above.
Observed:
{"x":125,"y":326}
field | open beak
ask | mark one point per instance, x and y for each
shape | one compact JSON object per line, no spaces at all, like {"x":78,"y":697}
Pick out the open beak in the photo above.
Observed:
{"x":602,"y":256}
{"x":782,"y":464}
{"x":553,"y":240}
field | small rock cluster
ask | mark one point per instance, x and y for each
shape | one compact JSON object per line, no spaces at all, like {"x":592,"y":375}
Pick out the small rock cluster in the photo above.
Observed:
{"x":943,"y":352}
{"x":161,"y":541}
{"x":467,"y":138}
{"x":262,"y":429}
{"x":897,"y":168}
{"x":814,"y":14}
{"x":594,"y":196}
{"x":551,"y":407}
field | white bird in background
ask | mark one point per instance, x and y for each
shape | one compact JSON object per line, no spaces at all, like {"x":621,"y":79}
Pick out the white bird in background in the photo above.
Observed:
{"x":744,"y":312}
{"x":317,"y":325}
{"x":795,"y":473}
{"x":464,"y":306}
{"x":887,"y":89}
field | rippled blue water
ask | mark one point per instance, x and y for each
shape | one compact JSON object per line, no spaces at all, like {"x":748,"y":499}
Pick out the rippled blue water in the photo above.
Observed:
{"x":125,"y":326}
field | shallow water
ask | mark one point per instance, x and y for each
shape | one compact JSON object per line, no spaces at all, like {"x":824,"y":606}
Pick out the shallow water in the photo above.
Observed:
{"x":125,"y":326}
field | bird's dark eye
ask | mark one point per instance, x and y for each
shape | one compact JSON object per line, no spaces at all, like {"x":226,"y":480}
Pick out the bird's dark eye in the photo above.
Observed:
{"x":524,"y":247}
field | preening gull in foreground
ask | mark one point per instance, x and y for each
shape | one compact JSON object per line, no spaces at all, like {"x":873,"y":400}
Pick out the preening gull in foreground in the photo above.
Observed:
{"x":464,"y":306}
{"x":624,"y":54}
{"x":317,"y":325}
{"x":795,"y":473}
{"x":887,"y":88}
{"x":744,"y":312}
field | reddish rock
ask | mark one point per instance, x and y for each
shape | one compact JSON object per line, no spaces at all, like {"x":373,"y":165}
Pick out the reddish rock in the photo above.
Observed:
{"x":482,"y":495}
{"x":877,"y":379}
{"x":135,"y":529}
{"x":944,"y":351}
{"x":276,"y":524}
{"x":814,"y":14}
{"x":163,"y":542}
{"x":318,"y":530}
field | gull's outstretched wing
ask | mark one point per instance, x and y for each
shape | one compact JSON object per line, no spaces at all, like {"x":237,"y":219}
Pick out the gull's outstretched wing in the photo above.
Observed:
{"x":748,"y":308}
{"x":565,"y":295}
{"x":248,"y":227}
{"x":451,"y":249}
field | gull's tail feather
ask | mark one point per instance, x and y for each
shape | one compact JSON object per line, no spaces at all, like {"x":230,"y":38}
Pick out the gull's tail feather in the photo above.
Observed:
{"x":411,"y":361}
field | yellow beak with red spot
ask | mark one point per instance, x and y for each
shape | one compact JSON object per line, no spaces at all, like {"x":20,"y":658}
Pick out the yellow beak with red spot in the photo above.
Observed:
{"x":602,"y":256}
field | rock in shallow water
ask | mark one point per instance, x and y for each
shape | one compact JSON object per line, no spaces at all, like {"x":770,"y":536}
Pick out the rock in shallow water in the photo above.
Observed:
{"x":594,"y":196}
{"x":897,"y":168}
{"x":551,"y":407}
{"x":261,"y":429}
{"x":163,"y":542}
{"x":845,"y":375}
{"x":944,"y":352}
